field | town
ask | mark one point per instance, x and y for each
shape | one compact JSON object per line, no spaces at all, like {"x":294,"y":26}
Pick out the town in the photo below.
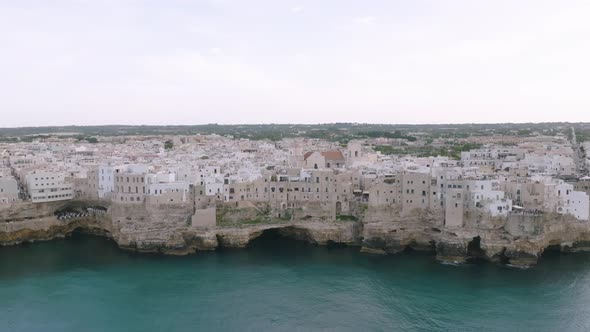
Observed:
{"x":226,"y":181}
{"x":528,"y":175}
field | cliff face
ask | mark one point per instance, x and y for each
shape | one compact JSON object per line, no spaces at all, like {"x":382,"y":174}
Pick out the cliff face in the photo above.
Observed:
{"x":517,"y":240}
{"x":167,"y":228}
{"x":151,"y":228}
{"x":27,"y":222}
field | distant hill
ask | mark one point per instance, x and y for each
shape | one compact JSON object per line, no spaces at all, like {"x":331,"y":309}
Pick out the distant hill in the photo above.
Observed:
{"x":334,"y":131}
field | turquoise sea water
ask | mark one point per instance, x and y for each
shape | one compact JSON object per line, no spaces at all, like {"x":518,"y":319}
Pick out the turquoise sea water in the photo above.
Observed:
{"x":87,"y":284}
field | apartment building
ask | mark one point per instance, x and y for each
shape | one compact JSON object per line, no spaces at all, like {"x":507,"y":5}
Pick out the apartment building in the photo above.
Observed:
{"x":48,"y":186}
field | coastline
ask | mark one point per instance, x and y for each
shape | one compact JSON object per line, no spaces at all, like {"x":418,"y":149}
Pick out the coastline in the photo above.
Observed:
{"x":167,"y":232}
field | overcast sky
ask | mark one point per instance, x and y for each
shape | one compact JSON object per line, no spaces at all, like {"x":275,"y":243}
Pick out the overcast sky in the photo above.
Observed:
{"x":88,"y":62}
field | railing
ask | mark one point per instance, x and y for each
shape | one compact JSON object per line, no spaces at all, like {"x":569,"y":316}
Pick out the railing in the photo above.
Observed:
{"x":69,"y":215}
{"x":534,"y":212}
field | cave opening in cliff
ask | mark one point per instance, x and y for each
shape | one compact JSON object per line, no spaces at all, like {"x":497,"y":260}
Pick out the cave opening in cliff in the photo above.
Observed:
{"x":474,"y":250}
{"x":283,"y":238}
{"x":502,"y":258}
{"x":332,"y":244}
{"x":414,"y":246}
{"x":552,"y":251}
{"x":81,"y":232}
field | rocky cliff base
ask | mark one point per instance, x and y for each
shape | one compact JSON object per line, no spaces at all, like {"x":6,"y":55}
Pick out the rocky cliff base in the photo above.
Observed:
{"x":371,"y":238}
{"x":518,"y":241}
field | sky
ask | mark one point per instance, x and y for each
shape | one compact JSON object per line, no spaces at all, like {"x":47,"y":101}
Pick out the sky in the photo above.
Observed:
{"x":96,"y":62}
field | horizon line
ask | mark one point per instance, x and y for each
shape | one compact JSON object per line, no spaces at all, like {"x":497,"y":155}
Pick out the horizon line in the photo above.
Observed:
{"x":294,"y":124}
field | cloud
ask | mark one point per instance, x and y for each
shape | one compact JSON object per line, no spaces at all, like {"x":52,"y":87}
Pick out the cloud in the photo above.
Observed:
{"x":366,"y":20}
{"x":193,"y":69}
{"x":297,"y":9}
{"x":376,"y":61}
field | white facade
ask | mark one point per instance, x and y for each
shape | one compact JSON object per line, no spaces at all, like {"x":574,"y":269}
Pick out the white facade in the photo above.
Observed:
{"x":45,"y":186}
{"x":179,"y":190}
{"x":483,"y":195}
{"x":8,"y":190}
{"x":561,"y":198}
{"x":579,"y":205}
{"x":213,"y":188}
{"x":106,"y":181}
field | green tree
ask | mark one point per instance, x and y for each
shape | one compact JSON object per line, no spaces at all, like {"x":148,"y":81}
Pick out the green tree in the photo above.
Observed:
{"x":168,"y":145}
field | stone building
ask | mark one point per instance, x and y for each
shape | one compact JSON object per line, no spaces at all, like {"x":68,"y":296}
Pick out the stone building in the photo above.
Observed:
{"x":326,"y":159}
{"x":8,"y":190}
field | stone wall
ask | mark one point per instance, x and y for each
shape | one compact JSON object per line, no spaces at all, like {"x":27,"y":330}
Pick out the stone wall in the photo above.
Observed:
{"x":204,"y":218}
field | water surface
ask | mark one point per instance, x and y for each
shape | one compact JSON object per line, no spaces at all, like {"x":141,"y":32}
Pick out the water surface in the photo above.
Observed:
{"x":88,"y":284}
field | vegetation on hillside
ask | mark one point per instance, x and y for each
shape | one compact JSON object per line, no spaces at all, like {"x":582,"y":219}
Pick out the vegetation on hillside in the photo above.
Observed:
{"x":336,"y":132}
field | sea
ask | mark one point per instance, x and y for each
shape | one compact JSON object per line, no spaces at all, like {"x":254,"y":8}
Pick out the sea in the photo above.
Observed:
{"x":86,"y":283}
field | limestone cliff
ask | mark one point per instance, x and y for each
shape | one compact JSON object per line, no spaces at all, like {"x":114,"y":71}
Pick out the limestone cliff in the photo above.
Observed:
{"x":517,"y":240}
{"x":167,"y":228}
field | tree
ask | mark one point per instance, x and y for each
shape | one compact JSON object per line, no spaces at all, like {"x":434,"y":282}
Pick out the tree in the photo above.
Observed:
{"x":168,"y":145}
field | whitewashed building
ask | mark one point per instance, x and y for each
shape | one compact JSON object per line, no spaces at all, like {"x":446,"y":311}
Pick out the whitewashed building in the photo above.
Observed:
{"x":48,"y":186}
{"x":8,"y":190}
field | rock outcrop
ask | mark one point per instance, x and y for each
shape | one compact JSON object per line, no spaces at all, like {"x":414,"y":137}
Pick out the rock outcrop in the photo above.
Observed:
{"x":517,"y":240}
